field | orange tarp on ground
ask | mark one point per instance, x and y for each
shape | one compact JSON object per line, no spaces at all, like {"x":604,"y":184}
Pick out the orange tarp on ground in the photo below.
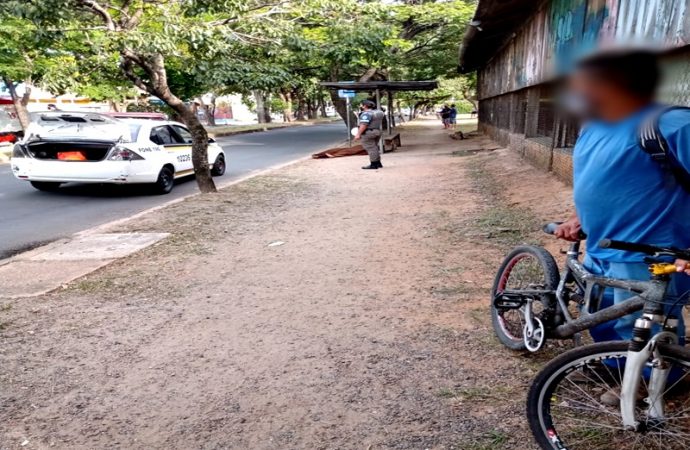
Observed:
{"x":340,"y":152}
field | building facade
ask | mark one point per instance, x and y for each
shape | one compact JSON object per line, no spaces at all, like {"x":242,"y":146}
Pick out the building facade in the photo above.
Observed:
{"x":519,"y":48}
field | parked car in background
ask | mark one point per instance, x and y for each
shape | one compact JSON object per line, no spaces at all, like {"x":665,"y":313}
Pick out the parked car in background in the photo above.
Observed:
{"x":62,"y":147}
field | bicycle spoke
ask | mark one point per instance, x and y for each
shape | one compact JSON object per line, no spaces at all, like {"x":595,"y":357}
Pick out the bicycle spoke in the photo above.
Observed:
{"x":581,"y":418}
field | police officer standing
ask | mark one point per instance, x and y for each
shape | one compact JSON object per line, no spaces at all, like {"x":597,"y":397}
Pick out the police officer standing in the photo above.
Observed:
{"x":370,"y":121}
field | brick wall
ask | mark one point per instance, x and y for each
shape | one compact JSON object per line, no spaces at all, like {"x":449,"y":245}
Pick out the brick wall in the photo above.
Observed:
{"x":535,"y":150}
{"x":562,"y":165}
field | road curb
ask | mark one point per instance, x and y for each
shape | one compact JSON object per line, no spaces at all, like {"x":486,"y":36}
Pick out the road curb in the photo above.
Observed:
{"x":281,"y":127}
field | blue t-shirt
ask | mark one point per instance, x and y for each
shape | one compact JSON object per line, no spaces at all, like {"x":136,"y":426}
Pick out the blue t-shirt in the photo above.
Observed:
{"x":622,"y":194}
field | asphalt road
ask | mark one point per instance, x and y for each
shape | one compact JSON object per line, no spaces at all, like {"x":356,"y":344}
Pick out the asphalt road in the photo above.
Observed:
{"x":29,"y":218}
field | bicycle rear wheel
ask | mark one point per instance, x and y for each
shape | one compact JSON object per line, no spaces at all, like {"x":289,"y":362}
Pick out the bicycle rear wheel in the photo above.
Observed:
{"x":572,"y":404}
{"x":525,"y":268}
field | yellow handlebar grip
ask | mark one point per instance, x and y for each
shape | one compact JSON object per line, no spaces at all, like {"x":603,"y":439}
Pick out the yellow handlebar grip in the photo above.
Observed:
{"x":663,"y":269}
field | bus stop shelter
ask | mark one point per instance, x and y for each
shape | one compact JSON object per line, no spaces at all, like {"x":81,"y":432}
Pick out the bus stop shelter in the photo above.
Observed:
{"x":379,"y":88}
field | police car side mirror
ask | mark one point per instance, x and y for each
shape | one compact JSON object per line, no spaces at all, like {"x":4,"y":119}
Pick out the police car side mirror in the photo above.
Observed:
{"x":211,"y":141}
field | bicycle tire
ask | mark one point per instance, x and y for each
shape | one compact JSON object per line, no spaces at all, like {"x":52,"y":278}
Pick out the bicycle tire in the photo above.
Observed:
{"x":544,"y":386}
{"x":551,"y":279}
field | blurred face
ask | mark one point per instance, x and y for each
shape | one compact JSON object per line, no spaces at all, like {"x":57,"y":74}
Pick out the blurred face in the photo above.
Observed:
{"x":586,"y":95}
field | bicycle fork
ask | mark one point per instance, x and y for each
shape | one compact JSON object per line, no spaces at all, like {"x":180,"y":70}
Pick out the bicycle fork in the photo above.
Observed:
{"x":642,"y":349}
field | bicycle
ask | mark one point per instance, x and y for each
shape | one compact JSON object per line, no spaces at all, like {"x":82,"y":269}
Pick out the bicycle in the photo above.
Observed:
{"x":620,"y":395}
{"x":531,"y":301}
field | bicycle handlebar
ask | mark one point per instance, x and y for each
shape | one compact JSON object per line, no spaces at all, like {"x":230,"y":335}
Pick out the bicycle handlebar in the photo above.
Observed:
{"x":651,"y":250}
{"x":550,"y":228}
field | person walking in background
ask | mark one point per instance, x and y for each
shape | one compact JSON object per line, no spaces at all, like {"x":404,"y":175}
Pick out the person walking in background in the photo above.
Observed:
{"x":369,"y":132}
{"x":453,"y":117}
{"x":445,"y":116}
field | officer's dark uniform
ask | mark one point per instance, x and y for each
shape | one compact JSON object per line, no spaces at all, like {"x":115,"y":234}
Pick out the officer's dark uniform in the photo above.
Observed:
{"x":373,"y":119}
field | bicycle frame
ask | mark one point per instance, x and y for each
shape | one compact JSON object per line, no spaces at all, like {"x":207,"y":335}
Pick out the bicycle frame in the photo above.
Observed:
{"x":643,"y":347}
{"x":652,"y":291}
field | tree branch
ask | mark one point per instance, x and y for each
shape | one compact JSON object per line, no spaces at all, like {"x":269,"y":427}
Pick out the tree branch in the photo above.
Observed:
{"x":273,"y":10}
{"x":127,"y":67}
{"x":101,"y":11}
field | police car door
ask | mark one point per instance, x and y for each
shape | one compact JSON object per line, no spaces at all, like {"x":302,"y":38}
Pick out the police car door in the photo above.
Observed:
{"x":178,"y":143}
{"x":185,"y":151}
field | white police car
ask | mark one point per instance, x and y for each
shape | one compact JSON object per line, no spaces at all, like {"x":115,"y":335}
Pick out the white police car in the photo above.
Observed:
{"x":70,"y":147}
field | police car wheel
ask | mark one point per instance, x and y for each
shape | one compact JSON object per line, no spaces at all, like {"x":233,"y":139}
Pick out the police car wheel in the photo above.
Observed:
{"x":46,"y":186}
{"x":218,"y":169}
{"x":165,"y":182}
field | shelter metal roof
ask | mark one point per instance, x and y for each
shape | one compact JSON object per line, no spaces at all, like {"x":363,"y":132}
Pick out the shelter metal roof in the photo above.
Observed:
{"x":392,"y":86}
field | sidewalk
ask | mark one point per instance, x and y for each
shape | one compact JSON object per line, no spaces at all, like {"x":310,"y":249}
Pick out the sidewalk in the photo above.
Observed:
{"x":319,"y":307}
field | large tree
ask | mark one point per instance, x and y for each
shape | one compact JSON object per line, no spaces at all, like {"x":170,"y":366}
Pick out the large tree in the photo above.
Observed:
{"x":24,"y":58}
{"x":149,"y":35}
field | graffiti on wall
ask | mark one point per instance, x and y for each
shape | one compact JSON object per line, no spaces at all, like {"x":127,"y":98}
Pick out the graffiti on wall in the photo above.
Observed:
{"x":563,"y":30}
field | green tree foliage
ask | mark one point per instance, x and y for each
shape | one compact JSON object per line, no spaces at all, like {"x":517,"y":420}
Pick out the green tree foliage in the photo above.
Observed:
{"x":351,"y":40}
{"x":204,"y":40}
{"x":275,"y":51}
{"x":25,"y":57}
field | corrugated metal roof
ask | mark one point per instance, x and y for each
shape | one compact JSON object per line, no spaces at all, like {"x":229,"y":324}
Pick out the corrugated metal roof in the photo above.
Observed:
{"x":494,"y":22}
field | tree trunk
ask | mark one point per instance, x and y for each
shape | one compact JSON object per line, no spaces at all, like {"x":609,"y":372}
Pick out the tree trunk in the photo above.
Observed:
{"x":312,"y":109}
{"x":263,"y":113}
{"x":20,"y":102}
{"x":340,"y":106}
{"x":154,"y":66}
{"x":267,"y":109}
{"x":209,"y":109}
{"x":202,"y":169}
{"x":322,"y":107}
{"x":259,"y":100}
{"x":300,"y":114}
{"x":286,"y":97}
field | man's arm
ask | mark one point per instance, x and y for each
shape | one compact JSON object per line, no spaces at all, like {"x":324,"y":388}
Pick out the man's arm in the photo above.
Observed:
{"x":675,"y":126}
{"x":364,"y":122}
{"x":570,"y":229}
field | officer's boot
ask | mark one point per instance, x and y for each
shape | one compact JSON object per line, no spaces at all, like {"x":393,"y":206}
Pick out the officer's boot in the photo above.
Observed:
{"x":373,"y":166}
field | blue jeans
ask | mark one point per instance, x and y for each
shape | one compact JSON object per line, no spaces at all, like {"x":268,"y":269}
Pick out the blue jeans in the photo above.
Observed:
{"x":621,"y":329}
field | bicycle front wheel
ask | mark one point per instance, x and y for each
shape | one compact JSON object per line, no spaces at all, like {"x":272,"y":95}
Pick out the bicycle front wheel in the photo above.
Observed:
{"x":574,"y":402}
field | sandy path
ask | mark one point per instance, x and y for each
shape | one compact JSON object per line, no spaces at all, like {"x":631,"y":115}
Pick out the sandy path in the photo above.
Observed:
{"x":367,"y":329}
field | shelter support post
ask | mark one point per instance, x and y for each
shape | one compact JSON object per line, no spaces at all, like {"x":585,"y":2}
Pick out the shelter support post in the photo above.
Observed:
{"x":391,"y":123}
{"x":378,"y":106}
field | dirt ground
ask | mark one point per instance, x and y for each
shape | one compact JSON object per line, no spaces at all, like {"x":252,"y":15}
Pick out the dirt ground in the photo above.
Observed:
{"x":319,"y":307}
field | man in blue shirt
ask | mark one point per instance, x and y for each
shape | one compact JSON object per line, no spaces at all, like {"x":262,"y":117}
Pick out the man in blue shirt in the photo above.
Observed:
{"x":620,"y":192}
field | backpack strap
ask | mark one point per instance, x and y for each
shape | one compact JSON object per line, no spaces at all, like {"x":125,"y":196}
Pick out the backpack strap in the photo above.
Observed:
{"x":656,"y":146}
